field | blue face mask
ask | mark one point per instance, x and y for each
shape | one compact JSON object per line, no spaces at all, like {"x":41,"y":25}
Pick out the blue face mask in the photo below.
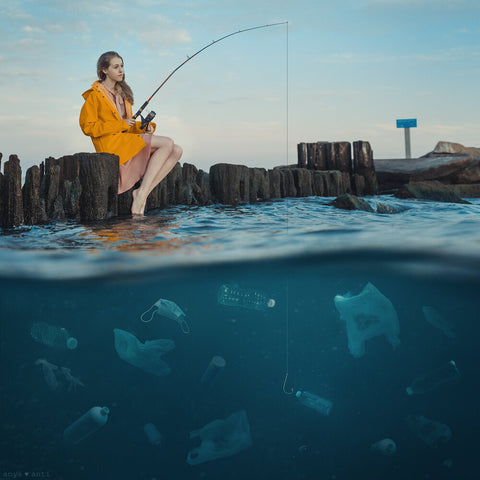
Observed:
{"x":167,"y":309}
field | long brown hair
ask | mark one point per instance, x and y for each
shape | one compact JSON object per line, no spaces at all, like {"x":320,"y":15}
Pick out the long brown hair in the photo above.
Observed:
{"x":121,"y":88}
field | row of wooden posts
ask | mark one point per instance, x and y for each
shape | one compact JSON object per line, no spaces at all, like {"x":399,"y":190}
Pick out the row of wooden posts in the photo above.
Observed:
{"x":84,"y":186}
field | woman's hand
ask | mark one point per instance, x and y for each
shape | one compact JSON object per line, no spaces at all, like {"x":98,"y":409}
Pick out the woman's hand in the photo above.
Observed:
{"x":130,"y":121}
{"x":149,"y":129}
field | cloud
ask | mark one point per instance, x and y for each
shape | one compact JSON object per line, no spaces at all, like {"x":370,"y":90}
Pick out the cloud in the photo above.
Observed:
{"x":160,"y":36}
{"x":448,"y":4}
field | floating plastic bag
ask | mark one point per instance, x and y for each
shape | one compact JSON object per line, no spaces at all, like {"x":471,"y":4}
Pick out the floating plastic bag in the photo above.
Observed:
{"x":367,"y":315}
{"x":48,"y":370}
{"x":168,"y":309}
{"x":146,"y":356}
{"x":433,"y":433}
{"x":221,"y":438}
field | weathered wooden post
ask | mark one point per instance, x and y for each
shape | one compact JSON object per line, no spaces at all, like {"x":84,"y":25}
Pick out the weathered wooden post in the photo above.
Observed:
{"x":11,"y":193}
{"x":33,"y":205}
{"x":339,"y":157}
{"x":364,"y":166}
{"x":302,"y":155}
{"x":230,"y":184}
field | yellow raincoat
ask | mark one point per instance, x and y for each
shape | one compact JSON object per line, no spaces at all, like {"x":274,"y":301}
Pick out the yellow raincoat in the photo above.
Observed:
{"x":100,"y":120}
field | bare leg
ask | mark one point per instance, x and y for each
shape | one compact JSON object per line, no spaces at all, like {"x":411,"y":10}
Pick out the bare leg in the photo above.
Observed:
{"x":164,"y":157}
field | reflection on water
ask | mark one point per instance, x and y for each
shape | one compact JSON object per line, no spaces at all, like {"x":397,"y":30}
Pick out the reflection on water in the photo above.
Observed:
{"x":137,"y":233}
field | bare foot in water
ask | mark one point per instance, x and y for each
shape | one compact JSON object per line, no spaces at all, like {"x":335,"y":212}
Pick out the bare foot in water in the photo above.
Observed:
{"x":136,"y":208}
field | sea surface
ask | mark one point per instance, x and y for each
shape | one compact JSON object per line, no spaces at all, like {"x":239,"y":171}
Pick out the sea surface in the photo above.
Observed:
{"x":365,"y":305}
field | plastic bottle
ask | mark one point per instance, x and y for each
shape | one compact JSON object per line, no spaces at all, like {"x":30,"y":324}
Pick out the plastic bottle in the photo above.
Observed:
{"x":234,"y":296}
{"x":153,"y":435}
{"x":87,"y":424}
{"x":430,"y":381}
{"x":310,"y":400}
{"x":53,"y":336}
{"x":214,"y":369}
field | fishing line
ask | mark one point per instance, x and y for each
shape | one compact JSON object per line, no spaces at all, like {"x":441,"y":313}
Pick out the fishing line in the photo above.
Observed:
{"x":140,"y":110}
{"x":287,"y":333}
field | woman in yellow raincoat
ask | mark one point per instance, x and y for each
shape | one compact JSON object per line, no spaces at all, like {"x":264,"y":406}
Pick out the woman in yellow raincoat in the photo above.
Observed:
{"x":106,"y":117}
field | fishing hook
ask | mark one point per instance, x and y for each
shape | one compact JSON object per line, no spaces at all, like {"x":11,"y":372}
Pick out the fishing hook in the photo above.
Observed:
{"x":140,"y":110}
{"x":285,"y":384}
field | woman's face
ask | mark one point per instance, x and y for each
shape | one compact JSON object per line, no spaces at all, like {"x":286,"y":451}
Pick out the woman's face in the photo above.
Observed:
{"x":115,"y":70}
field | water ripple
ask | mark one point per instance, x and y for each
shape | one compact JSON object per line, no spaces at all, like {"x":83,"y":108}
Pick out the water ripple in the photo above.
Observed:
{"x":180,"y":234}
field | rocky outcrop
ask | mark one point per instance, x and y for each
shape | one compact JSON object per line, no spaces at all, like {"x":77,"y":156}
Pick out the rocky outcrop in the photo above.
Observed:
{"x":429,"y":190}
{"x":449,"y":163}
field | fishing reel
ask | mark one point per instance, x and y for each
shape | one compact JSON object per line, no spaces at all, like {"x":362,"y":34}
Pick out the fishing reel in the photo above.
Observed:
{"x":146,"y":120}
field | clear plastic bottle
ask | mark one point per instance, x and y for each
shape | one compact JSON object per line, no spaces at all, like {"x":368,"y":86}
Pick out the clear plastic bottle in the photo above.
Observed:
{"x":435,"y":378}
{"x":53,"y":336}
{"x":87,"y":424}
{"x":234,"y":296}
{"x":310,"y":400}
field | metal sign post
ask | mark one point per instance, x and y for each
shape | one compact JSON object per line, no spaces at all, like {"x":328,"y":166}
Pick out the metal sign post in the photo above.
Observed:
{"x":406,"y":124}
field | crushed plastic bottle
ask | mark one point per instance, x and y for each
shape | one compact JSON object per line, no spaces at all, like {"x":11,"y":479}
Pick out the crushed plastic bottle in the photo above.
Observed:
{"x":53,"y":336}
{"x":87,"y":424}
{"x":310,"y":400}
{"x":153,"y":435}
{"x":435,"y":378}
{"x":234,"y":296}
{"x":215,"y":368}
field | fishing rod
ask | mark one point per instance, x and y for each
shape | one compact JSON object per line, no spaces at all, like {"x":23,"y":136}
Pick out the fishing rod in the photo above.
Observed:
{"x":152,"y":114}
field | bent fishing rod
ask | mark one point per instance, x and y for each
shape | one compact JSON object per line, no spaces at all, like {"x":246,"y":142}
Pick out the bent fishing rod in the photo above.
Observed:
{"x":151,"y":115}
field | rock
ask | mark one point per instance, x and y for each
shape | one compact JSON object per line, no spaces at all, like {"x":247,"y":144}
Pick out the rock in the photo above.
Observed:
{"x":450,"y":163}
{"x":351,"y":202}
{"x":430,"y":190}
{"x":389,"y":209}
{"x":467,"y":190}
{"x":451,"y":148}
{"x":392,"y":174}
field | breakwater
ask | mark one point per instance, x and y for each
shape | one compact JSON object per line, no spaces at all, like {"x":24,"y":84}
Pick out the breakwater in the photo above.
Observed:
{"x":84,"y":186}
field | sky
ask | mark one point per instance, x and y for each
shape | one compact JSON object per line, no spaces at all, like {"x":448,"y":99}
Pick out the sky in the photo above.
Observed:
{"x":341,"y":70}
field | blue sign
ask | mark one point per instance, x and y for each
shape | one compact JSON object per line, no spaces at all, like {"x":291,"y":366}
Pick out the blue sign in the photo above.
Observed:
{"x":407,"y":123}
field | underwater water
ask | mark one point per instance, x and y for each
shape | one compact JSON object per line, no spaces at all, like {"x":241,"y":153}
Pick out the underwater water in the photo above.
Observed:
{"x":365,"y":306}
